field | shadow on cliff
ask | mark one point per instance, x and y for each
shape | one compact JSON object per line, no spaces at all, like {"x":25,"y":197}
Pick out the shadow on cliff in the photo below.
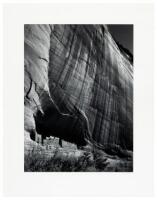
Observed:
{"x":52,"y":122}
{"x":72,"y":128}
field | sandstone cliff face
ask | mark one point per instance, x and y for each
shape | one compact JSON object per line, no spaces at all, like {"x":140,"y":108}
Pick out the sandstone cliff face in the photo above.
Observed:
{"x":78,"y":66}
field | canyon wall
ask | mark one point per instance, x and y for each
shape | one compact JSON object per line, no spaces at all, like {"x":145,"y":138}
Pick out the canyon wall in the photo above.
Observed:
{"x":71,"y":69}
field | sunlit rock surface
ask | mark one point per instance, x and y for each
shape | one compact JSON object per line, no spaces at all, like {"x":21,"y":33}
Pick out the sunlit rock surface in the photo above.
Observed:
{"x":78,"y":66}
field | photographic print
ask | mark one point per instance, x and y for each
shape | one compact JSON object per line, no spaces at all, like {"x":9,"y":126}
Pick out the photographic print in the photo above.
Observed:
{"x":78,"y":98}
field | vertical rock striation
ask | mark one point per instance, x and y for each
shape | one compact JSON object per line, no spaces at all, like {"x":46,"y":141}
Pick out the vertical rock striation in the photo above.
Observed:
{"x":74,"y":72}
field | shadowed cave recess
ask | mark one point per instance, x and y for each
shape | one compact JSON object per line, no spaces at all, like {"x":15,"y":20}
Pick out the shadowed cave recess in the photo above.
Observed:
{"x":78,"y":86}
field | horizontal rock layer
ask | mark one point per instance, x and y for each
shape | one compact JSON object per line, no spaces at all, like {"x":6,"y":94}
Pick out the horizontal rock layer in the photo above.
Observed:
{"x":78,"y":66}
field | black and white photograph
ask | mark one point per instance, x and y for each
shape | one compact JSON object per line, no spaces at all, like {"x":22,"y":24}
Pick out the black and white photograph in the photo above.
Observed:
{"x":79,"y":104}
{"x":78,"y":97}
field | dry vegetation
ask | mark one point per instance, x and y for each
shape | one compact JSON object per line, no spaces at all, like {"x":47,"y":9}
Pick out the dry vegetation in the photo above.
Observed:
{"x":36,"y":161}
